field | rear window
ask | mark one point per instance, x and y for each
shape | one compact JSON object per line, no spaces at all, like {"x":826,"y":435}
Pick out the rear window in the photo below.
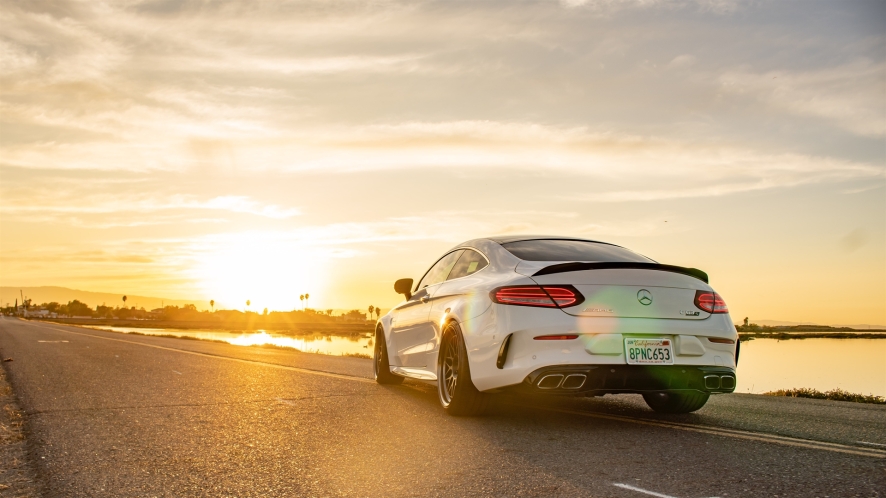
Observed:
{"x":572,"y":250}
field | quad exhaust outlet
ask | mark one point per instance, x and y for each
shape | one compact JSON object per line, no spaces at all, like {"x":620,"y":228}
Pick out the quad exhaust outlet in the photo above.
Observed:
{"x":554,"y":381}
{"x":717,"y":382}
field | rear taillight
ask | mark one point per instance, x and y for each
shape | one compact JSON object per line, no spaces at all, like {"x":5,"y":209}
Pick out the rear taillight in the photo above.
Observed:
{"x":721,"y":340}
{"x":710,"y":302}
{"x":546,"y":296}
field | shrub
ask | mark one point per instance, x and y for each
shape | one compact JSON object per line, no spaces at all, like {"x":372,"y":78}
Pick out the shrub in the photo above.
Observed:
{"x":833,"y":395}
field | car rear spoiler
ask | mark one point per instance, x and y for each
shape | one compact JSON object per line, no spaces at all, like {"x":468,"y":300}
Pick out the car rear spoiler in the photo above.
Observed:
{"x":567,"y":267}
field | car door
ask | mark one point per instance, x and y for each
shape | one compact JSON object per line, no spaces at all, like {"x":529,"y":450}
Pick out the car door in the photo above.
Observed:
{"x":412,"y":334}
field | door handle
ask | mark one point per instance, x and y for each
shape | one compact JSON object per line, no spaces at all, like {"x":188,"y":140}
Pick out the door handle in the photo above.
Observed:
{"x":425,"y":299}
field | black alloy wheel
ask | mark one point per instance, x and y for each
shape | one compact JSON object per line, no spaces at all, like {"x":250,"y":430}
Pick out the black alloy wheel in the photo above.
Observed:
{"x":456,"y":392}
{"x":381,"y":367}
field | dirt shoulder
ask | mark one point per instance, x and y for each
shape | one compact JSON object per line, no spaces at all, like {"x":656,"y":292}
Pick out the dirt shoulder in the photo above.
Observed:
{"x":17,"y":475}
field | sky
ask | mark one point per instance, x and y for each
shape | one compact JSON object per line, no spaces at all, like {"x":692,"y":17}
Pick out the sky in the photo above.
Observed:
{"x":235,"y":150}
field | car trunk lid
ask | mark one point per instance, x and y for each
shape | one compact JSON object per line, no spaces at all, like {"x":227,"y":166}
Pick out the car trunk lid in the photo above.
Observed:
{"x":625,"y":290}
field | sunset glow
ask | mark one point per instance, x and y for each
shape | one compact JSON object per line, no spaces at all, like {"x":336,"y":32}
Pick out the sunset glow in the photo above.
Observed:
{"x":262,"y":151}
{"x":269,"y":271}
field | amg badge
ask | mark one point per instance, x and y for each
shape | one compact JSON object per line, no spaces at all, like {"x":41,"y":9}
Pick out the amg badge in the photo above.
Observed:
{"x":598,"y":310}
{"x":689,"y":313}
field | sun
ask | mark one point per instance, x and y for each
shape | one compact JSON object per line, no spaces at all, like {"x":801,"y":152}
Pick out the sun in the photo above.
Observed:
{"x":267,"y":269}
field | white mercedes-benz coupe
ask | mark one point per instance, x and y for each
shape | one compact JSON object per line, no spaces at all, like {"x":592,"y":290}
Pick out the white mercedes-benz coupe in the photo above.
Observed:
{"x":557,"y":315}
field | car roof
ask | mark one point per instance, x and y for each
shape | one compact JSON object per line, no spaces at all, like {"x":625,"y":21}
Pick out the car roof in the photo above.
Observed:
{"x":505,"y":239}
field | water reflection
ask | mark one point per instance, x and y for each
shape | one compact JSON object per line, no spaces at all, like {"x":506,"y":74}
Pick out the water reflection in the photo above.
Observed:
{"x":352,"y":345}
{"x":855,"y":365}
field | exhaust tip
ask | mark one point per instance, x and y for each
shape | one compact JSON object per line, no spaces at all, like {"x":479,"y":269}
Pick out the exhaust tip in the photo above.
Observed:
{"x":574,"y":381}
{"x":712,"y":382}
{"x":550,"y":381}
{"x":727,"y":382}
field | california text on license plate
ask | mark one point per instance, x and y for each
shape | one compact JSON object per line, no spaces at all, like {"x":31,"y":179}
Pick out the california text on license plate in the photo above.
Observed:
{"x":649,"y":351}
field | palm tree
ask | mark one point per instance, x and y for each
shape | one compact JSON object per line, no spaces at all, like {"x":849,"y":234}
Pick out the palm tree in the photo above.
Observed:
{"x":124,"y":301}
{"x":302,"y":298}
{"x":377,"y":312}
{"x":307,"y":296}
{"x":247,"y":304}
{"x":212,"y":304}
{"x":329,"y":312}
{"x":371,"y":311}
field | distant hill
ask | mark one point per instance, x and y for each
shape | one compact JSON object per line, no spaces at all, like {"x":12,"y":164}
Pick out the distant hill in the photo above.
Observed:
{"x":39,"y":295}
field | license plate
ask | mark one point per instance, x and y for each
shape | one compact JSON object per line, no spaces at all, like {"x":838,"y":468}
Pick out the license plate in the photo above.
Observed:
{"x":649,"y":351}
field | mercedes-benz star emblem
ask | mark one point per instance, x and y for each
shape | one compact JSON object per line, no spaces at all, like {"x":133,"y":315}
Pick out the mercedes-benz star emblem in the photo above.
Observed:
{"x":645,"y":297}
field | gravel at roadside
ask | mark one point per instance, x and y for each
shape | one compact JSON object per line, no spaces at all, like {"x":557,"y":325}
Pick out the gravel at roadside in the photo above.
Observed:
{"x":17,"y":476}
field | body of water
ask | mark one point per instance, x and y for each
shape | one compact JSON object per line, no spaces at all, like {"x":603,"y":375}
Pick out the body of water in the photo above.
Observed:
{"x":855,"y":365}
{"x":332,"y":345}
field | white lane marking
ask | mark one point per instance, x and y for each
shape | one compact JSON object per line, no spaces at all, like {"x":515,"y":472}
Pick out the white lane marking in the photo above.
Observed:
{"x":734,"y":433}
{"x":227,"y":358}
{"x":52,"y":341}
{"x":872,"y":444}
{"x":176,"y":371}
{"x":646,"y":491}
{"x":641,"y":490}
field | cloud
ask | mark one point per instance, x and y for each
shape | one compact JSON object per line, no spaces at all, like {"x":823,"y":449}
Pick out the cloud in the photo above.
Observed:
{"x":854,"y":240}
{"x":633,"y":228}
{"x":350,"y":239}
{"x":849,"y":95}
{"x":736,"y":173}
{"x":719,"y":6}
{"x":308,"y":86}
{"x":681,"y":61}
{"x":127,"y":205}
{"x":625,"y":167}
{"x":861,"y":189}
{"x":303,"y":66}
{"x":241,"y":204}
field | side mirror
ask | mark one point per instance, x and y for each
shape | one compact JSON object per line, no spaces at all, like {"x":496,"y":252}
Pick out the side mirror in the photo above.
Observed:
{"x":404,"y":286}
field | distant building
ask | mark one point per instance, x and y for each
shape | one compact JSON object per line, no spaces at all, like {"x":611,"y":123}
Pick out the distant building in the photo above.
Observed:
{"x":354,"y":316}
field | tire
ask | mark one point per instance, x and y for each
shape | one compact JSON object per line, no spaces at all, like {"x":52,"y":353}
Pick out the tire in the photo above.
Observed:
{"x":672,"y":402}
{"x":455,"y":390}
{"x":381,"y":367}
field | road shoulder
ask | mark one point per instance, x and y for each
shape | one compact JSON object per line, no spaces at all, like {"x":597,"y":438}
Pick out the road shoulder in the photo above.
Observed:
{"x":17,"y":475}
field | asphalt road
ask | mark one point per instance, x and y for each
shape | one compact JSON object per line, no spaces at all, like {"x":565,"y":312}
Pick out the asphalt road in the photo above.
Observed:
{"x":119,"y":415}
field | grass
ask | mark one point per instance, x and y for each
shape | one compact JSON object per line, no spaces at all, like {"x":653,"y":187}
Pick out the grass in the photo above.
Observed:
{"x":169,"y":336}
{"x":358,"y":355}
{"x":833,"y":395}
{"x":16,"y":475}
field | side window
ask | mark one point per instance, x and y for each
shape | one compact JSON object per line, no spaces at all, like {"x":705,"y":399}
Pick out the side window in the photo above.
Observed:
{"x":440,"y":271}
{"x":469,"y":262}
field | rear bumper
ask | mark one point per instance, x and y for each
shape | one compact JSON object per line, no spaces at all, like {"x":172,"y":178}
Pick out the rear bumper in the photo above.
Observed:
{"x":600,"y":342}
{"x":603,"y":379}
